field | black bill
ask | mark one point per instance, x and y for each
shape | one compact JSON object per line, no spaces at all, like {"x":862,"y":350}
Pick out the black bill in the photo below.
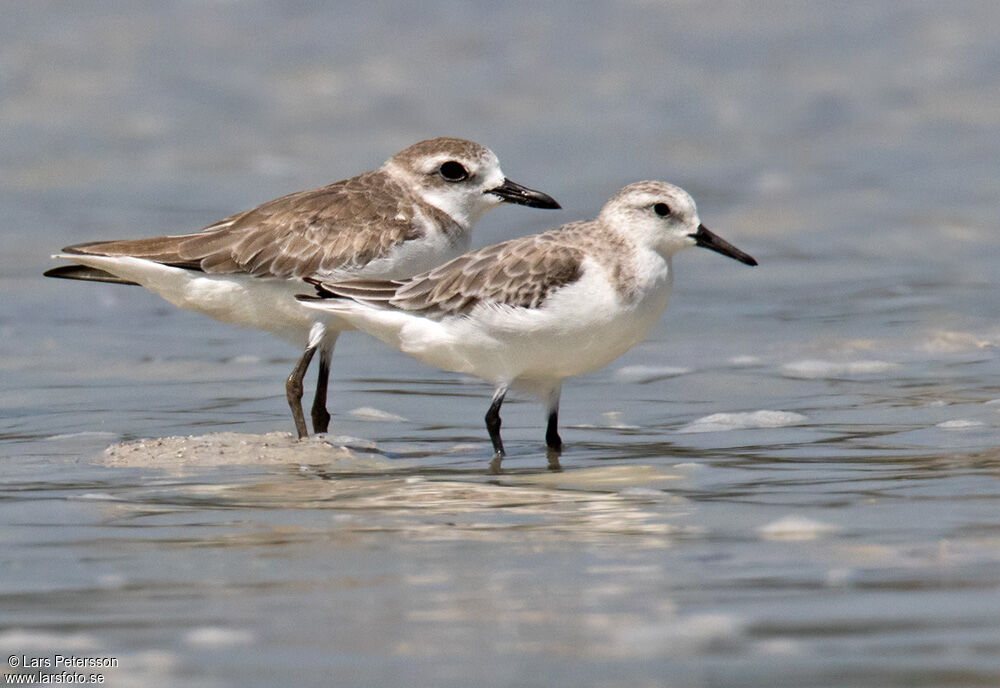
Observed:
{"x":714,"y":242}
{"x":512,"y":192}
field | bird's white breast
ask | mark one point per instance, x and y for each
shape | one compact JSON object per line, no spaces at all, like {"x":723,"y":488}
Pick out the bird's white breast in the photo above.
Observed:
{"x":579,"y":328}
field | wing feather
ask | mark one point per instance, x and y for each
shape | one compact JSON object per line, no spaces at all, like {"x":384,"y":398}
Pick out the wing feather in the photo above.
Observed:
{"x":339,"y":227}
{"x":521,"y":273}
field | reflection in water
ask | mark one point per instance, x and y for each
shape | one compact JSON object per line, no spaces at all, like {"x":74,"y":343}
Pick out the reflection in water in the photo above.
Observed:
{"x":377,"y":495}
{"x":650,"y":565}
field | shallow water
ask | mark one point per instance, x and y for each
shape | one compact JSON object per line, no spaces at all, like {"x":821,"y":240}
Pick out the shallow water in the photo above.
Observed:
{"x":794,"y":482}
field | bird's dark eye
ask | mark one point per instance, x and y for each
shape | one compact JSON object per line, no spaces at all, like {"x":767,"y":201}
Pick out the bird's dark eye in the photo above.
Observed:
{"x":453,"y":171}
{"x":661,"y":209}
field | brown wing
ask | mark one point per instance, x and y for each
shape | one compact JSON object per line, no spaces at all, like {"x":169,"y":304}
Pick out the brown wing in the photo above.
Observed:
{"x":520,"y":273}
{"x":158,"y":249}
{"x":341,"y":226}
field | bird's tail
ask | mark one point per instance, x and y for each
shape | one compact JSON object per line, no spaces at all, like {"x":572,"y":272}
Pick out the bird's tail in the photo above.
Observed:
{"x":86,"y":274}
{"x":377,"y":293}
{"x":163,"y":250}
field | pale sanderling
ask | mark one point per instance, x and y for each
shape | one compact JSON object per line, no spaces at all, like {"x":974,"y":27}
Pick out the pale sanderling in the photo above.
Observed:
{"x":413,"y":213}
{"x":530,"y":312}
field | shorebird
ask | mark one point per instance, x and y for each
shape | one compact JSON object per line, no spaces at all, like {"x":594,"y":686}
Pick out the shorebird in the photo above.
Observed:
{"x":411,"y":214}
{"x":531,"y":312}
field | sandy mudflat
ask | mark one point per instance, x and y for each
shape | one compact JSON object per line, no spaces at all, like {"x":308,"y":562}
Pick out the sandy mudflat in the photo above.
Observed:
{"x":231,"y":448}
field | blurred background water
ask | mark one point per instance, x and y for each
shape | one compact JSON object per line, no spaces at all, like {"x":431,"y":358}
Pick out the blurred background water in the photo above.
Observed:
{"x":837,"y":524}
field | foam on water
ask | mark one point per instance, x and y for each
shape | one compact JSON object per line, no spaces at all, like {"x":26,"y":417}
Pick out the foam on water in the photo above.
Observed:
{"x":796,"y":528}
{"x":215,"y":637}
{"x":377,"y":415}
{"x":612,"y":421}
{"x":820,"y":368}
{"x":244,"y":359}
{"x":87,"y":435}
{"x":681,"y":636}
{"x":349,"y":441}
{"x":95,"y":497}
{"x":723,"y":422}
{"x":946,"y":342}
{"x":641,"y":374}
{"x":111,"y":581}
{"x":635,"y":476}
{"x":960,"y":424}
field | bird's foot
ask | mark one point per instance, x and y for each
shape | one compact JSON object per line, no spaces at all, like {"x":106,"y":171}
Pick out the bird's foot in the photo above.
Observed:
{"x":553,"y":457}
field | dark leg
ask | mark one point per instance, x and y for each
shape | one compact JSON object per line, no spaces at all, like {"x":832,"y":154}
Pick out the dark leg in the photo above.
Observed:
{"x":552,"y":439}
{"x":493,"y":421}
{"x":553,"y":443}
{"x":320,"y":416}
{"x":293,"y":390}
{"x":493,"y":427}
